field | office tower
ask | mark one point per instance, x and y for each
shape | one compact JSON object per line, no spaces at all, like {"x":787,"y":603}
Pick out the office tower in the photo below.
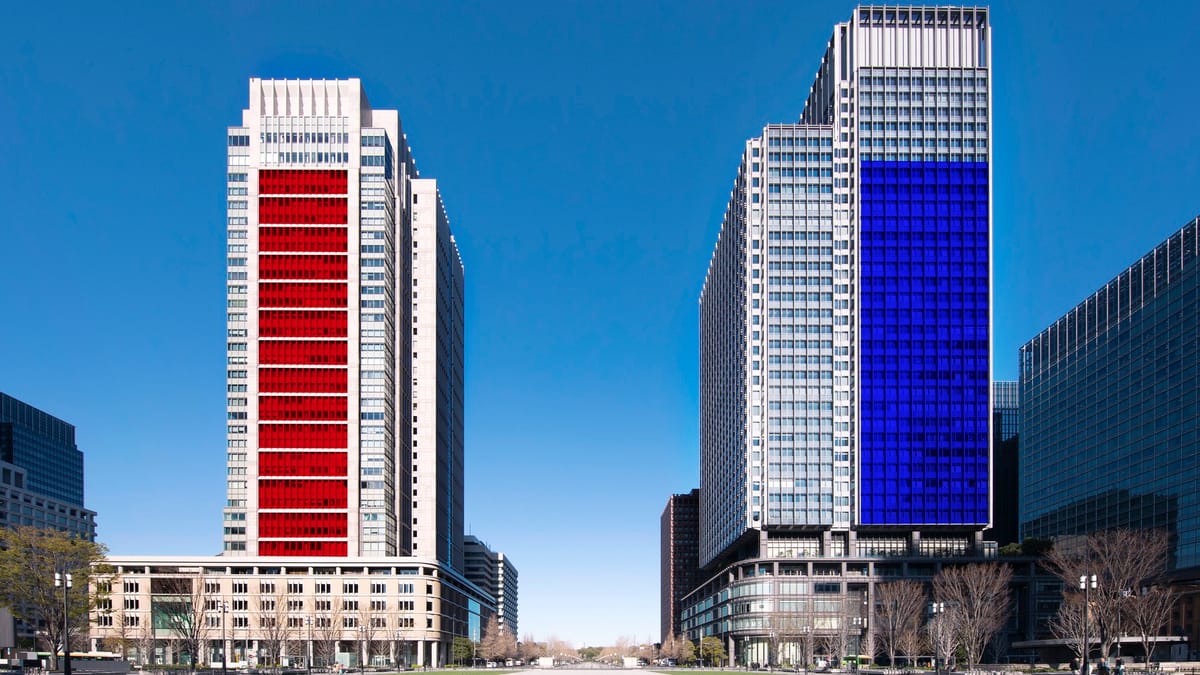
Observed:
{"x":41,"y":484}
{"x":1109,"y":408}
{"x":495,"y":573}
{"x":330,"y":231}
{"x":845,"y":318}
{"x":679,"y":558}
{"x":41,"y":472}
{"x":1006,"y":422}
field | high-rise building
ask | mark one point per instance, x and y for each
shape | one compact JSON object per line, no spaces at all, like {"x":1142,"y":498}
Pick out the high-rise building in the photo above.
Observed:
{"x":679,"y":558}
{"x":1110,"y":405}
{"x":343,"y":540}
{"x":1006,"y":423}
{"x":41,"y":472}
{"x":345,"y":328}
{"x":41,"y":483}
{"x":495,"y":573}
{"x":846,"y":320}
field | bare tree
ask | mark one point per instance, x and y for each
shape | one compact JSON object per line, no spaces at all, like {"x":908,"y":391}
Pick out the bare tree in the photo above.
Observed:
{"x":327,"y":632}
{"x":143,"y":631}
{"x":184,"y":605}
{"x":1148,"y":614}
{"x":274,"y":629}
{"x":898,"y":607}
{"x":1072,"y":624}
{"x":1122,"y":561}
{"x":371,"y":629}
{"x":529,"y":649}
{"x":978,"y":594}
{"x":836,"y":641}
{"x":795,"y":626}
{"x":943,"y":637}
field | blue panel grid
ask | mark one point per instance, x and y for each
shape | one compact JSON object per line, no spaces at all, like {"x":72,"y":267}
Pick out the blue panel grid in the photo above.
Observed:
{"x":924,"y":343}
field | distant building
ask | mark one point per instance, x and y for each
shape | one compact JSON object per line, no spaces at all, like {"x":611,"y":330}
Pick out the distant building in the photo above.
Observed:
{"x":41,"y":480}
{"x":493,"y":572}
{"x":679,"y":558}
{"x":1006,"y":421}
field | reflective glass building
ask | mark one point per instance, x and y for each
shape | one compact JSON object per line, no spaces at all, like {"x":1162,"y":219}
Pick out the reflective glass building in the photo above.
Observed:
{"x":1110,"y":406}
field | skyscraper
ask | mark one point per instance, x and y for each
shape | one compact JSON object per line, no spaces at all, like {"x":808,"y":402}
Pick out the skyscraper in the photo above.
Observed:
{"x":1110,"y":405}
{"x":332,"y":235}
{"x":845,"y":328}
{"x":845,"y":318}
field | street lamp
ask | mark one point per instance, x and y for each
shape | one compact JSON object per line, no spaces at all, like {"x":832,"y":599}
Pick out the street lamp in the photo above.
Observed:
{"x":224,"y":642}
{"x":935,"y":621}
{"x":362,"y":632}
{"x":309,"y":656}
{"x":64,"y":580}
{"x":1125,"y":593}
{"x":403,"y":660}
{"x":1086,"y":584}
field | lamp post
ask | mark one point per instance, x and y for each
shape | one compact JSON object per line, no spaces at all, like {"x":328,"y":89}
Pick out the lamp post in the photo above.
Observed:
{"x":64,"y":580}
{"x":362,"y":632}
{"x":805,"y":631}
{"x":1086,"y":584}
{"x":309,"y":651}
{"x":935,"y":621}
{"x":224,"y":642}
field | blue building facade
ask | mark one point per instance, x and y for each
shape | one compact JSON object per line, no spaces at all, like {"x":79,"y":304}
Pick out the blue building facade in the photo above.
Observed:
{"x":1110,"y":407}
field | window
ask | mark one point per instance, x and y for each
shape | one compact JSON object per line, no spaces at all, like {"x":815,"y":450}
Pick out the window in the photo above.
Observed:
{"x":349,"y":587}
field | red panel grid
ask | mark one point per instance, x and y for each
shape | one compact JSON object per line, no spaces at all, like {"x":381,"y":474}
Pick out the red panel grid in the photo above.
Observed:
{"x":316,"y":294}
{"x":302,"y":464}
{"x":302,"y":352}
{"x":302,"y":408}
{"x":302,"y":210}
{"x":302,"y":380}
{"x":301,"y":323}
{"x":318,"y":239}
{"x":302,"y":436}
{"x":296,"y":493}
{"x":302,"y":267}
{"x":301,"y":181}
{"x":334,"y":549}
{"x":302,"y":525}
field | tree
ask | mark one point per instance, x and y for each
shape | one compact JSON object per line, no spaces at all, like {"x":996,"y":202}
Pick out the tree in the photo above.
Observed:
{"x":943,"y":637}
{"x":529,"y":649}
{"x":898,"y":608}
{"x":1072,"y":623}
{"x":712,"y":650}
{"x":1121,"y":560}
{"x":29,"y":559}
{"x":369,"y":630}
{"x":836,"y":643}
{"x":183,"y":605}
{"x":494,"y":645}
{"x":461,"y":649}
{"x":327,"y":631}
{"x":687,"y":651}
{"x":274,"y":628}
{"x":670,"y":647}
{"x":977,"y":597}
{"x":1148,"y":613}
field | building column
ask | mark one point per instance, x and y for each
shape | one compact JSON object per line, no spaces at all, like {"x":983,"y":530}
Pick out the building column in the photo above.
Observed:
{"x":914,"y":544}
{"x":433,"y":654}
{"x":421,"y":653}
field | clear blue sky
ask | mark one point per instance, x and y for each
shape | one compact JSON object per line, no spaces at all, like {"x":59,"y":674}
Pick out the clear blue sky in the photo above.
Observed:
{"x":585,"y":151}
